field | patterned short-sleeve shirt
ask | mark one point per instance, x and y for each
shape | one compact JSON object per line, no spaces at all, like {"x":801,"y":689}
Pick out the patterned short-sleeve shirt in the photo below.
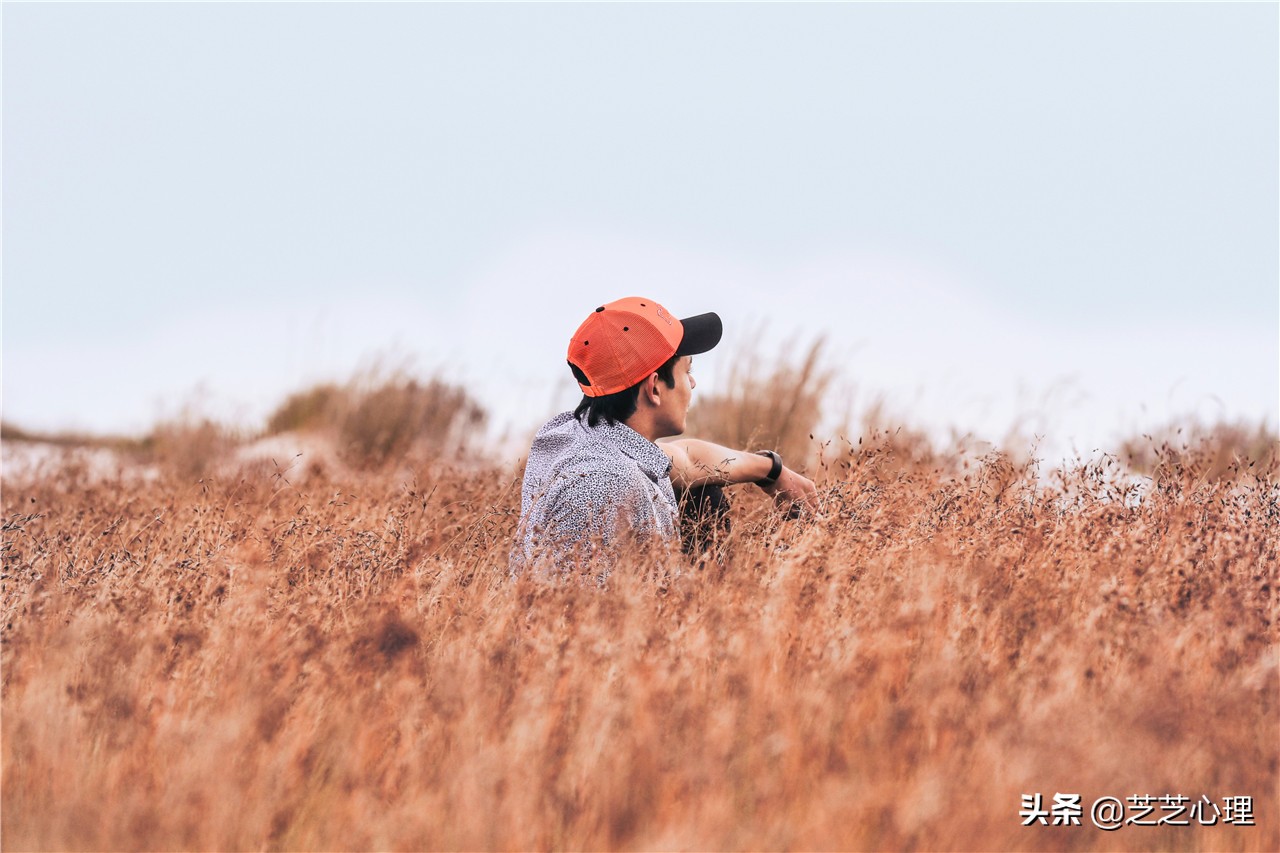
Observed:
{"x":583,"y":485}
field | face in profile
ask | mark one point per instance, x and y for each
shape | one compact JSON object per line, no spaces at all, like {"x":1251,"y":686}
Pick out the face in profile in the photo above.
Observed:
{"x":675,"y":401}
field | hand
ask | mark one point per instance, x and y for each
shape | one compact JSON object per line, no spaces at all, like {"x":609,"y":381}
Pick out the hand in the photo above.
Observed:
{"x":794,"y":492}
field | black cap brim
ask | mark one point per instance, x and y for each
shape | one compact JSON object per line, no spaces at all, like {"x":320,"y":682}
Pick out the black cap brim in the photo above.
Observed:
{"x":701,"y":333}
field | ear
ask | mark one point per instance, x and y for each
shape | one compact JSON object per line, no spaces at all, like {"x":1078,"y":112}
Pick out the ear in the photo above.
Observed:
{"x":649,"y":390}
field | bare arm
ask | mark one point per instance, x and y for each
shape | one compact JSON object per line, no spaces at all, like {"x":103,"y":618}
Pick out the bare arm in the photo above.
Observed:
{"x":700,"y":463}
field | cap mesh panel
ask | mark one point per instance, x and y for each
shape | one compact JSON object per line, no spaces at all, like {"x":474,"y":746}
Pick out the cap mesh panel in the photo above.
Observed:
{"x":642,"y":350}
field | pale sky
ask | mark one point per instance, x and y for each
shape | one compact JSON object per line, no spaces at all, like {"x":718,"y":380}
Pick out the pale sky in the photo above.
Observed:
{"x":1068,"y":213}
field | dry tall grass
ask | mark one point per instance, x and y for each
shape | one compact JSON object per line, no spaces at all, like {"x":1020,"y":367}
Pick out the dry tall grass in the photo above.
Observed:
{"x":236,"y":664}
{"x":1220,"y":448}
{"x":383,"y":414}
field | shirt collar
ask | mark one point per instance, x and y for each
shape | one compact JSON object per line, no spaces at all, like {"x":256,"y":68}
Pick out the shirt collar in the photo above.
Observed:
{"x":652,"y":461}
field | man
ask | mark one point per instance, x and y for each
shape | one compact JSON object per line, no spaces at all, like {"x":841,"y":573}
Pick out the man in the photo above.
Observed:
{"x":596,"y":476}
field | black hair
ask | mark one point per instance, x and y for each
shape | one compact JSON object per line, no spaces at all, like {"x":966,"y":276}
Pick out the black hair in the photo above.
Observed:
{"x":613,"y":408}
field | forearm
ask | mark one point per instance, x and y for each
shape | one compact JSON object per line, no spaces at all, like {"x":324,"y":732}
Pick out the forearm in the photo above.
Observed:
{"x":703,"y":463}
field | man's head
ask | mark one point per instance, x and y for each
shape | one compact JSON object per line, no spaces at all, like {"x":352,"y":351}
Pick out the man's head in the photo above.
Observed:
{"x":632,"y":359}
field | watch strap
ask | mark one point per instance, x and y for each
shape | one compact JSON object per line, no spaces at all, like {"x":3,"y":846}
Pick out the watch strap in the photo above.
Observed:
{"x":774,"y":472}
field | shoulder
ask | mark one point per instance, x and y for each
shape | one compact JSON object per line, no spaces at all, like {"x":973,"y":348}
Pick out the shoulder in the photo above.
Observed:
{"x":677,"y":451}
{"x":560,"y":421}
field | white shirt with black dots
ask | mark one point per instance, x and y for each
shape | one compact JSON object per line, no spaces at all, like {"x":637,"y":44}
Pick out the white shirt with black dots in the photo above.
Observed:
{"x":582,"y":487}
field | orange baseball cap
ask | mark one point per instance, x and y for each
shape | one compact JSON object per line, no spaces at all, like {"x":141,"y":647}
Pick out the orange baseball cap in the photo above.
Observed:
{"x":623,"y":342}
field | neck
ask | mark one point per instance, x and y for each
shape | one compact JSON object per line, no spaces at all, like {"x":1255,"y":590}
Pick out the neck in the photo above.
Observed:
{"x":646,"y":426}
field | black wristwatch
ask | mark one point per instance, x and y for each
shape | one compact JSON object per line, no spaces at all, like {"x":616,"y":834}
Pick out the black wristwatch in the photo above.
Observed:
{"x":774,"y":472}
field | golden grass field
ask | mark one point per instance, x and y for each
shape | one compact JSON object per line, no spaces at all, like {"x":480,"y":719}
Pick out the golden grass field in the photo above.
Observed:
{"x":320,"y":655}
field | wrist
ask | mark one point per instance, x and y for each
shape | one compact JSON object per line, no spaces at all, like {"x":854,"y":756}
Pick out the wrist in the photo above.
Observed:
{"x":775,"y":469}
